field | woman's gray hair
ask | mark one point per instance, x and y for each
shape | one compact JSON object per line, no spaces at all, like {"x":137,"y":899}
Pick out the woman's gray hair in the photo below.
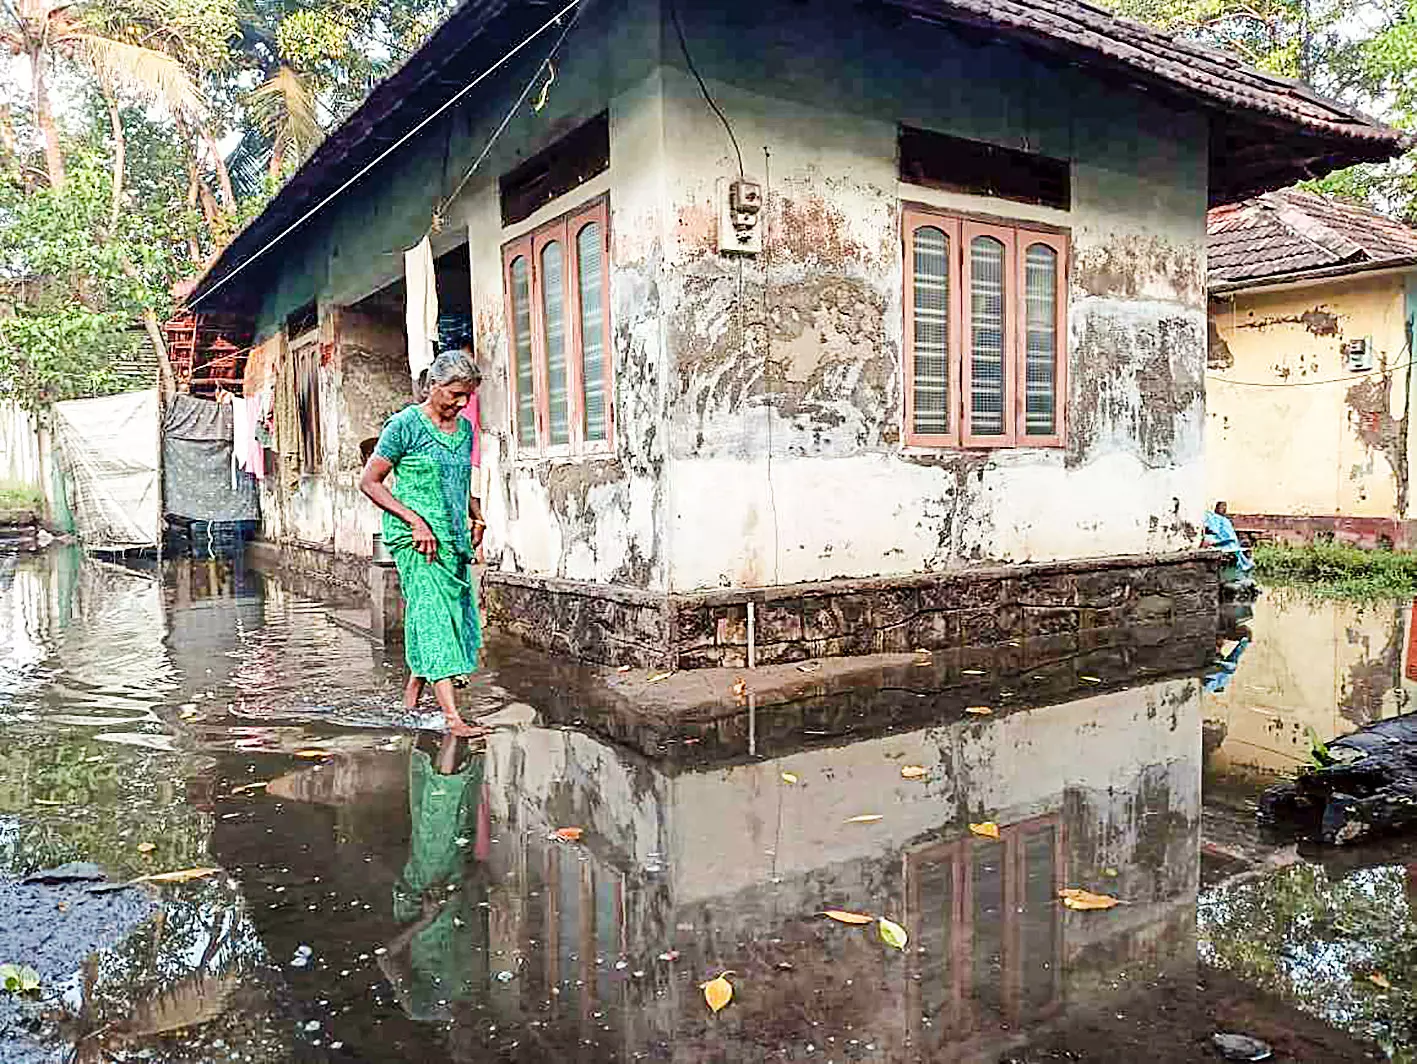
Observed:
{"x":453,"y":366}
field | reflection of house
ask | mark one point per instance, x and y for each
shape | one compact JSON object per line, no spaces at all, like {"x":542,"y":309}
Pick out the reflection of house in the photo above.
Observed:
{"x":976,"y":310}
{"x":1312,"y":303}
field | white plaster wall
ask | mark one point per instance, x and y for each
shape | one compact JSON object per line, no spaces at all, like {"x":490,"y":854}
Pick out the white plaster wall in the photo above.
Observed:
{"x":20,"y":463}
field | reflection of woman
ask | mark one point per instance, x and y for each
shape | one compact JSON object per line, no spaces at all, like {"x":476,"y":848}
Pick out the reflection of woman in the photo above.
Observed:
{"x":426,"y":528}
{"x":434,"y":961}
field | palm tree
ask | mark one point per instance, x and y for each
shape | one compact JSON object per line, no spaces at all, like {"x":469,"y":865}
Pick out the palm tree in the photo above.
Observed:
{"x":283,"y":108}
{"x":44,"y":31}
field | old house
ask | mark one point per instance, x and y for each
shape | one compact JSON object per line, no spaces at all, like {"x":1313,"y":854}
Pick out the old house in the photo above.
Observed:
{"x":808,"y":329}
{"x":1310,"y":368}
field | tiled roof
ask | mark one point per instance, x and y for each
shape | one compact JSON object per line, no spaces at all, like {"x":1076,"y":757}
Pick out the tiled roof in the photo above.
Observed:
{"x":1266,"y":131}
{"x":1294,"y":232}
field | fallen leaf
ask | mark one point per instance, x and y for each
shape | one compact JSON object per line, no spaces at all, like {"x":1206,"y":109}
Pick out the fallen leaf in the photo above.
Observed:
{"x":569,"y":834}
{"x":809,"y":666}
{"x":1378,"y":979}
{"x":18,"y":979}
{"x":146,"y":847}
{"x":185,"y":875}
{"x":979,"y":711}
{"x":659,"y":676}
{"x":740,"y":689}
{"x":1090,"y":679}
{"x":44,"y":801}
{"x":841,"y":916}
{"x":250,"y":787}
{"x":624,"y":668}
{"x":717,"y":992}
{"x":669,"y":955}
{"x":913,"y":772}
{"x":972,"y":672}
{"x":1110,"y":873}
{"x":986,"y":830}
{"x":892,"y":934}
{"x":311,"y":752}
{"x":789,"y":777}
{"x":865,"y":818}
{"x":1086,"y":900}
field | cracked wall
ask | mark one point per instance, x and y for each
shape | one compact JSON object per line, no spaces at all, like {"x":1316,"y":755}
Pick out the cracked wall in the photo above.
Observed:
{"x":785,"y":454}
{"x":1292,"y":431}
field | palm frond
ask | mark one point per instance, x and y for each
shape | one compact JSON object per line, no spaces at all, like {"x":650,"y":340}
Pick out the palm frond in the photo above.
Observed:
{"x":284,"y":108}
{"x":249,"y":162}
{"x":141,"y":71}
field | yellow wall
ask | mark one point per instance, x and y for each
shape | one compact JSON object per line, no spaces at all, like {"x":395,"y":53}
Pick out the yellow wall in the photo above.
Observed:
{"x":1296,"y":447}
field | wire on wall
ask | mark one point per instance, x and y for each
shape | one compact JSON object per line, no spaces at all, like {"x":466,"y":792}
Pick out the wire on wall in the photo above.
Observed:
{"x":708,"y":97}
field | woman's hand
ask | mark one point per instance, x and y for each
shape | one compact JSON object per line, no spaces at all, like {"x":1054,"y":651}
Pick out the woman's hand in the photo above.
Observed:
{"x":423,"y":539}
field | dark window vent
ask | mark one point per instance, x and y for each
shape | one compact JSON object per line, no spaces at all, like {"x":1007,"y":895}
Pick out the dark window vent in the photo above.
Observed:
{"x":555,"y":170}
{"x":958,"y":165}
{"x":301,"y":320}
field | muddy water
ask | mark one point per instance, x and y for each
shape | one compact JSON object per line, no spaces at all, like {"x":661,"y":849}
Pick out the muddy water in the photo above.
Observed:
{"x":386,"y":897}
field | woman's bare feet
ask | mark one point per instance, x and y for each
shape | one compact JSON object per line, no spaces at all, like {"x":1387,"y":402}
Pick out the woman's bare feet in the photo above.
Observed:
{"x":461,"y":728}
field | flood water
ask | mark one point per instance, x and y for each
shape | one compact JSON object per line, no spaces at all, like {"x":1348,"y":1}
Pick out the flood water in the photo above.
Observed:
{"x":385,"y":897}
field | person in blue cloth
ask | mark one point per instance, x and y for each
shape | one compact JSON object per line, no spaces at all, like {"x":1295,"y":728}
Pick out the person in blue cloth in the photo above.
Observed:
{"x":1220,"y":533}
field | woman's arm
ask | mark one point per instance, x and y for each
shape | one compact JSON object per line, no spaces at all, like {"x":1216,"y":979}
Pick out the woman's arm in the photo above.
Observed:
{"x":371,"y":483}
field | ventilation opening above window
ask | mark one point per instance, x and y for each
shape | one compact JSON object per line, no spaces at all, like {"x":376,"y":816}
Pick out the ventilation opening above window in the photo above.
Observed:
{"x":958,"y":165}
{"x":571,"y":161}
{"x":301,"y":320}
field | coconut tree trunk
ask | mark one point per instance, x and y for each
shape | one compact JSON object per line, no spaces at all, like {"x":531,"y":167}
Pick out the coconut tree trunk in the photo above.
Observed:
{"x":44,"y":117}
{"x":223,"y":175}
{"x":120,"y":154}
{"x":193,"y":247}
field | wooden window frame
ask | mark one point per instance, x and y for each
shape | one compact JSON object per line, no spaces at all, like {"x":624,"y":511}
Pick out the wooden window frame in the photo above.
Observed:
{"x":1017,"y":238}
{"x":564,"y":230}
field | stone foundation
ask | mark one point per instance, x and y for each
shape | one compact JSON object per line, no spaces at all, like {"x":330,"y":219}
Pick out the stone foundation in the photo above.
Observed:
{"x":1371,"y":533}
{"x":312,"y":569}
{"x":1076,"y":606}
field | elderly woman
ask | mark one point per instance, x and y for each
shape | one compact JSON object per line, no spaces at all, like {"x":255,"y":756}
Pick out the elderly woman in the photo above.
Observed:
{"x":428,"y":531}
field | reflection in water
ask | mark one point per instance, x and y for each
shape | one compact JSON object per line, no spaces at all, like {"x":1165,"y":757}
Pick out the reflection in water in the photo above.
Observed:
{"x":387,"y":897}
{"x":1326,"y":664}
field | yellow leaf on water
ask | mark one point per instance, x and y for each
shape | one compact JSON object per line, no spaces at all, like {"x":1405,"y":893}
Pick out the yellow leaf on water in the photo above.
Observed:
{"x":789,"y":777}
{"x":569,"y":834}
{"x":865,"y":818}
{"x":892,"y":934}
{"x":1378,"y":979}
{"x":841,"y":916}
{"x":185,"y":875}
{"x":717,"y":992}
{"x":311,"y":752}
{"x":624,"y":668}
{"x":979,"y":711}
{"x":1090,"y":679}
{"x":1086,"y":900}
{"x":986,"y":830}
{"x":659,"y":676}
{"x":913,"y":772}
{"x":146,"y":847}
{"x":250,"y":787}
{"x":972,"y":672}
{"x":740,"y":689}
{"x":809,"y":666}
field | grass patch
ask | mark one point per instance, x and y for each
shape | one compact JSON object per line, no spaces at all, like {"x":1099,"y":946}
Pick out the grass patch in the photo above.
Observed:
{"x":1334,"y":571}
{"x":15,"y":500}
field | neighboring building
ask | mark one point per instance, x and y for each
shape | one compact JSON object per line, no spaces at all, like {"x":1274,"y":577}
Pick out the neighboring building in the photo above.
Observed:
{"x":673,"y":430}
{"x":1312,"y":303}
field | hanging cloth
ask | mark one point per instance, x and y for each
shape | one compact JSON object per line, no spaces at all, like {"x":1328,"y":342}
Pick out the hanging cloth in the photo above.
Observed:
{"x":422,"y":309}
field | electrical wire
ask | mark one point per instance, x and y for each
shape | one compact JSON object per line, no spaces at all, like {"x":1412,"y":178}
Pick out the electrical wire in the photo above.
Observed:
{"x":553,"y":20}
{"x":1306,"y":384}
{"x":708,"y":97}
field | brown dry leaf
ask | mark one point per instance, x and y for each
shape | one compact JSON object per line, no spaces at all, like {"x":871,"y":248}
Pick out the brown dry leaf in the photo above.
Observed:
{"x":569,"y":834}
{"x":311,"y":752}
{"x":740,"y":689}
{"x":146,"y":847}
{"x":979,"y":711}
{"x":184,"y":875}
{"x":841,"y":916}
{"x":1378,"y":979}
{"x":789,"y":777}
{"x":250,"y":787}
{"x":659,"y":676}
{"x":913,"y":772}
{"x":986,"y":830}
{"x":1086,"y":900}
{"x":717,"y":992}
{"x":865,"y":818}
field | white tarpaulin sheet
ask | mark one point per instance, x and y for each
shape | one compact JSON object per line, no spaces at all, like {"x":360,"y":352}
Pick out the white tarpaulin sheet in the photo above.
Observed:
{"x":109,"y":449}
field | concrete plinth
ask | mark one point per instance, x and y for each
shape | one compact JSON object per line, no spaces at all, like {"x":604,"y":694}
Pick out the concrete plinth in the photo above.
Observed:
{"x":385,"y":603}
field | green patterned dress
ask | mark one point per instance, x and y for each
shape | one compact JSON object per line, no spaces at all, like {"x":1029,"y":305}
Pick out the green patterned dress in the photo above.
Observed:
{"x":442,"y":629}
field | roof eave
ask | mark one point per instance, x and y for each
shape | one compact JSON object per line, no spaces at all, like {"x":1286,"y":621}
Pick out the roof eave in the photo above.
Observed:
{"x":1303,"y":277}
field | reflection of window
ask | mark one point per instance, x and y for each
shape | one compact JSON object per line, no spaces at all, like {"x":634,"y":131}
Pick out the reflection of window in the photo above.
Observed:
{"x":558,"y":318}
{"x":987,"y":915}
{"x":985,"y":323}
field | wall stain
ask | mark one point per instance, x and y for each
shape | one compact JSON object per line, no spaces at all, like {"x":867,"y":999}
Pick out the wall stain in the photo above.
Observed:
{"x":1368,"y":400}
{"x":1369,"y":680}
{"x":1136,"y":267}
{"x":1217,"y":353}
{"x":1317,"y":321}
